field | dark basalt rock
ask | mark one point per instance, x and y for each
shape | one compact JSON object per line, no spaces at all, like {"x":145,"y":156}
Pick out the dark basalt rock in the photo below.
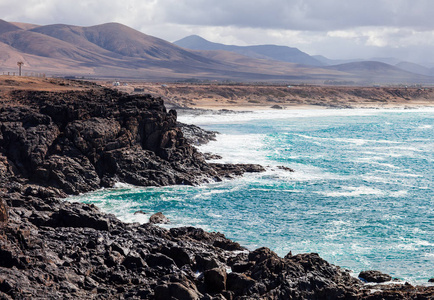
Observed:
{"x":82,"y":141}
{"x":3,"y":212}
{"x":209,"y":156}
{"x":215,"y":280}
{"x":229,"y":170}
{"x":196,"y":135}
{"x":374,"y":276}
{"x":286,"y":168}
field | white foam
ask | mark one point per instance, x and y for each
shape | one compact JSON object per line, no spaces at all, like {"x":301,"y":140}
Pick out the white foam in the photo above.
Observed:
{"x":238,"y":148}
{"x":121,"y":185}
{"x":398,"y":194}
{"x":241,"y":117}
{"x":353,"y":192}
{"x":425,"y":127}
{"x":357,"y":142}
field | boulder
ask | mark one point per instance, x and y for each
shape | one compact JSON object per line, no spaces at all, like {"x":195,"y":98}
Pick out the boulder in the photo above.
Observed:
{"x":239,"y":283}
{"x":215,"y":280}
{"x":158,"y":218}
{"x":176,"y":291}
{"x":374,"y":276}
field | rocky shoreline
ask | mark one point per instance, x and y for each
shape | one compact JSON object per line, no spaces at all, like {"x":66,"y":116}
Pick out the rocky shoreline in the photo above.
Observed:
{"x":53,"y":144}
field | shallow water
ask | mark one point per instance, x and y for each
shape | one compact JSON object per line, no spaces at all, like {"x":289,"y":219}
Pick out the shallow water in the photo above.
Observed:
{"x":361,"y":196}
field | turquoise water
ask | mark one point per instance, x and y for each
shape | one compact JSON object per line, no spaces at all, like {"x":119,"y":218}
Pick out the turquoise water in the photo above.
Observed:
{"x":361,"y":196}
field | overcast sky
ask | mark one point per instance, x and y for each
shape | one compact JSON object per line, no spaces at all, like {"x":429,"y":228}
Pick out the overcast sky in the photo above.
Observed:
{"x":334,"y":28}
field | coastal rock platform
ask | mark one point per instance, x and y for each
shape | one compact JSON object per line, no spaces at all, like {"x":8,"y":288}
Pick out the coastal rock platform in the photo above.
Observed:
{"x":54,"y":144}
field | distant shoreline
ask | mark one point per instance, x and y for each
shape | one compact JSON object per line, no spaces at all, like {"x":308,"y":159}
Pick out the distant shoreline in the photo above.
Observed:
{"x":259,"y":97}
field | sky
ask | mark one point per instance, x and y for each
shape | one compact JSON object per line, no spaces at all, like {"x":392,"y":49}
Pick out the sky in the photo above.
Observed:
{"x":337,"y":29}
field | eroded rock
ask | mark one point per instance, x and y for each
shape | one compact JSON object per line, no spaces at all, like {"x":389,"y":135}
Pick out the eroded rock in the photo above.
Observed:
{"x":374,"y":276}
{"x":158,"y":218}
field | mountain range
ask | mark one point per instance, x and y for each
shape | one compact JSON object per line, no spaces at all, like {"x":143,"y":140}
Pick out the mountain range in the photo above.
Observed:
{"x":280,"y":53}
{"x":294,"y":55}
{"x":114,"y":50}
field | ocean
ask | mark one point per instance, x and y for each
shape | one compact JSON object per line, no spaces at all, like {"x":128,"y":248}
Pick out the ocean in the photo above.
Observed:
{"x":361,"y":195}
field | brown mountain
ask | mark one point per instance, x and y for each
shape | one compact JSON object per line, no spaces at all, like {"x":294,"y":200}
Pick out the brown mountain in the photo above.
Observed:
{"x":114,"y":50}
{"x":6,"y":27}
{"x":378,"y":72}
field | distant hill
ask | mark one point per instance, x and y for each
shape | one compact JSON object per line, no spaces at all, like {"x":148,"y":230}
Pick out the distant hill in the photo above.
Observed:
{"x":114,"y":50}
{"x":415,"y":68}
{"x":6,"y":27}
{"x":331,"y":62}
{"x":279,"y":53}
{"x":378,"y":72}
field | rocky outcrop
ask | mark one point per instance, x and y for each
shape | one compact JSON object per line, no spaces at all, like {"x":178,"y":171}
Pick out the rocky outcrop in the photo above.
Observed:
{"x":82,"y":141}
{"x":196,"y":135}
{"x":158,"y":218}
{"x":55,"y":249}
{"x":229,"y":170}
{"x":374,"y":276}
{"x":52,"y":249}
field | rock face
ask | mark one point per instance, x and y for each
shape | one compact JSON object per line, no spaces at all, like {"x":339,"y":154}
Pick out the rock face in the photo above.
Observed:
{"x":81,"y":141}
{"x":3,"y":212}
{"x":196,"y":135}
{"x":57,"y":144}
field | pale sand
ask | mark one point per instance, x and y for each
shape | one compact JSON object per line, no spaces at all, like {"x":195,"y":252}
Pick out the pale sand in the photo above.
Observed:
{"x":263,"y":97}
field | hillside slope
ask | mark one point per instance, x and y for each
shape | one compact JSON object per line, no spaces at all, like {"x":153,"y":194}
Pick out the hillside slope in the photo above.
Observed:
{"x":116,"y":51}
{"x":273,"y":52}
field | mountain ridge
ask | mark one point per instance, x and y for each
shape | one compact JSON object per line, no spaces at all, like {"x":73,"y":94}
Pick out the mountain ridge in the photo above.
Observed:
{"x":274,"y":52}
{"x":113,"y":50}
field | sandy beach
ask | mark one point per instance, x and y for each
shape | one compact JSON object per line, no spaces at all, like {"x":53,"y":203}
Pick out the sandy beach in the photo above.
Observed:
{"x":256,"y":97}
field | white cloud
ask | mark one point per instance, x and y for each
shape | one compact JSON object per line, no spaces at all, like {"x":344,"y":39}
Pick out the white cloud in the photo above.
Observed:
{"x":336,"y":28}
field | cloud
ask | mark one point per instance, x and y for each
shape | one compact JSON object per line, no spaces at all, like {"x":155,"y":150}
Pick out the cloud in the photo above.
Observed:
{"x":319,"y":15}
{"x":335,"y":28}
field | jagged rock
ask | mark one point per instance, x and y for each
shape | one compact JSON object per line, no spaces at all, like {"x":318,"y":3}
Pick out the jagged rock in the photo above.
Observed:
{"x":210,"y":156}
{"x":158,"y":218}
{"x":286,"y":168}
{"x":196,"y":135}
{"x":176,"y":291}
{"x":160,"y":260}
{"x":134,"y":261}
{"x":205,"y":262}
{"x":239,"y":283}
{"x":213,"y":238}
{"x":374,"y":276}
{"x":3,"y":212}
{"x":229,"y":170}
{"x":179,"y":255}
{"x":431,"y":280}
{"x":215,"y":280}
